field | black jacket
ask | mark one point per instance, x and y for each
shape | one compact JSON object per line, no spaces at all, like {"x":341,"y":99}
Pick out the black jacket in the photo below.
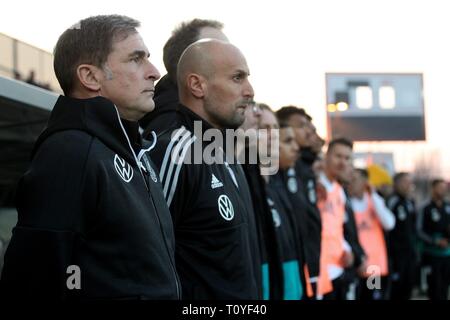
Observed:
{"x":307,"y":185}
{"x":433,"y":223}
{"x":84,"y":201}
{"x":289,"y":220}
{"x":270,"y":252}
{"x":402,"y":239}
{"x":217,"y":253}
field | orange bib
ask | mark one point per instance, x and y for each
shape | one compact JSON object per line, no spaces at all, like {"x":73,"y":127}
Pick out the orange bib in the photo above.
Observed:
{"x":332,"y":212}
{"x":371,"y":238}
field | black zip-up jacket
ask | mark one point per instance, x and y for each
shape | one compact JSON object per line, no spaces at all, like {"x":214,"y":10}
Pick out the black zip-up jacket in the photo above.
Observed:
{"x":307,"y":185}
{"x":85,"y":201}
{"x":216,"y":247}
{"x":401,"y":239}
{"x":290,"y":207}
{"x":270,"y":252}
{"x":433,"y":223}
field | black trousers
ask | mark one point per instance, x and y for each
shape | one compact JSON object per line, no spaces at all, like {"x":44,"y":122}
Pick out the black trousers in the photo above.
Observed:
{"x":344,"y":287}
{"x":366,"y":293}
{"x":403,"y":278}
{"x":439,"y":278}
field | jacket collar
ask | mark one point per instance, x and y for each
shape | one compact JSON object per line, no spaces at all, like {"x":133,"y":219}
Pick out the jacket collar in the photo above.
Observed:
{"x":189,"y":118}
{"x":97,"y":116}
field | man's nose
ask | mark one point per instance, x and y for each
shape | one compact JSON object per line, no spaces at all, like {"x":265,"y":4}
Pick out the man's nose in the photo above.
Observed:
{"x":248,"y":91}
{"x":152,"y":72}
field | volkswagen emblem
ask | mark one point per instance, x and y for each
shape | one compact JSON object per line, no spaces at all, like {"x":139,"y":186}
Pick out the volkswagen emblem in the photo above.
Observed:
{"x":124,"y":170}
{"x":225,"y":207}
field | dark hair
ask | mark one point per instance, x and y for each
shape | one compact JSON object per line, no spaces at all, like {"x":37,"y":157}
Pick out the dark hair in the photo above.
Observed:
{"x":183,"y":35}
{"x":341,"y":141}
{"x":264,"y":106}
{"x":286,"y":112}
{"x":400,"y":175}
{"x":363,"y":172}
{"x":90,"y":41}
{"x":435,"y":182}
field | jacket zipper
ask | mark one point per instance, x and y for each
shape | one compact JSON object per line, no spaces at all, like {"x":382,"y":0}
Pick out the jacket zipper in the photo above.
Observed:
{"x":156,"y":211}
{"x":162,"y":232}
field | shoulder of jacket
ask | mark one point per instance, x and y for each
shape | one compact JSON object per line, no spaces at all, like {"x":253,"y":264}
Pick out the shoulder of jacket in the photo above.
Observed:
{"x":68,"y":141}
{"x":65,"y":153}
{"x":171,"y":151}
{"x":173,"y":135}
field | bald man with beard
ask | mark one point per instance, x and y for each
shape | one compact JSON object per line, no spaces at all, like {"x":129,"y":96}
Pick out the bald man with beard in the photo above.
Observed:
{"x":217,"y":254}
{"x":166,"y":90}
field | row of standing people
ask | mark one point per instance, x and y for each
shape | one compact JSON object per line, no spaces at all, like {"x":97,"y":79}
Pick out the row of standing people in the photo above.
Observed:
{"x":137,"y":218}
{"x":369,"y":237}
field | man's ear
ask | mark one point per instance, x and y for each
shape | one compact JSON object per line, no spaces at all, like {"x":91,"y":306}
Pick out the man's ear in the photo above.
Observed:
{"x":89,"y":77}
{"x":196,"y":85}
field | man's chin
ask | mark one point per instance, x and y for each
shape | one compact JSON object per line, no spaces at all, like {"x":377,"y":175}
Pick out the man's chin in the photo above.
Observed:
{"x":150,"y":107}
{"x":144,"y":110}
{"x":239,"y":121}
{"x":235,"y":124}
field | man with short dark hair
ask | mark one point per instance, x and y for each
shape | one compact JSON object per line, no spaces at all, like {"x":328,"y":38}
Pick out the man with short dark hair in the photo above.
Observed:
{"x":401,"y":240}
{"x":93,"y":223}
{"x":166,"y":91}
{"x":287,"y":221}
{"x":371,"y":217}
{"x":433,"y":228}
{"x":336,"y":253}
{"x":271,"y":264}
{"x":302,"y":174}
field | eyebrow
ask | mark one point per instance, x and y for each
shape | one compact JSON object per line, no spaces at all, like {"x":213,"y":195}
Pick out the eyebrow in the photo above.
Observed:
{"x":242,"y":72}
{"x":139,"y":53}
